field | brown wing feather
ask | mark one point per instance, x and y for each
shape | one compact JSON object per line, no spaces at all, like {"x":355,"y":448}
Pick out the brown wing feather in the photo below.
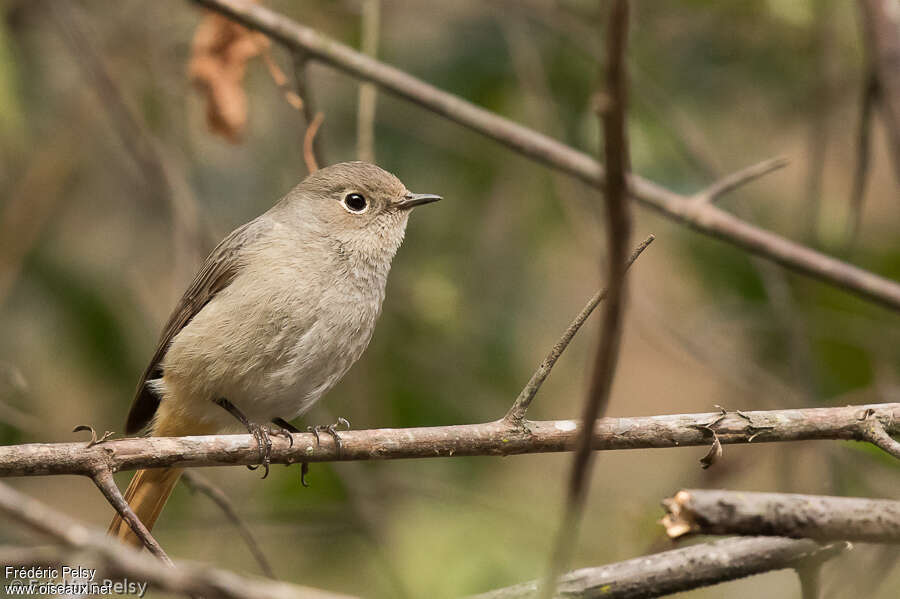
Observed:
{"x":218,"y":270}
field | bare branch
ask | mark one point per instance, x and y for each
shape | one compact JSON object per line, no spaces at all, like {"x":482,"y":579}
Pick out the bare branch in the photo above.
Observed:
{"x":301,"y":80}
{"x":492,"y":438}
{"x":818,"y":517}
{"x":103,"y":478}
{"x":197,"y":483}
{"x":741,"y":177}
{"x":705,"y":218}
{"x":680,"y":569}
{"x":523,"y":401}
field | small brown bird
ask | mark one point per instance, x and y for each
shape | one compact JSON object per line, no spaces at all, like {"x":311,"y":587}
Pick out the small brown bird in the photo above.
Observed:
{"x":278,"y":313}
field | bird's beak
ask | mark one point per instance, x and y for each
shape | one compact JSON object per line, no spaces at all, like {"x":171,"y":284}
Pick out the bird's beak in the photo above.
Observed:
{"x":411,"y":200}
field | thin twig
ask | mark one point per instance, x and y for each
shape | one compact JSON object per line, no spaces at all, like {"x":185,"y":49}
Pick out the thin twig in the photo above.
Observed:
{"x":280,"y":79}
{"x":810,"y":580}
{"x":863,"y":151}
{"x":368,"y":93}
{"x":104,"y":480}
{"x":739,"y":178}
{"x":520,"y":407}
{"x":881,"y":24}
{"x":706,"y":218}
{"x":618,"y":218}
{"x":820,"y":104}
{"x":679,"y":570}
{"x":198,"y":483}
{"x":300,"y":59}
{"x":491,"y":438}
{"x":309,"y":153}
{"x":819,"y":517}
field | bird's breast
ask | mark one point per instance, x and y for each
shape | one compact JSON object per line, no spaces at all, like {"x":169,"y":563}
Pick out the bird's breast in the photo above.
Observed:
{"x":273,"y":343}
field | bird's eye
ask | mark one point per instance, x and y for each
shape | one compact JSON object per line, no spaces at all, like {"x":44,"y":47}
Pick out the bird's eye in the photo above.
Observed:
{"x":356,"y":203}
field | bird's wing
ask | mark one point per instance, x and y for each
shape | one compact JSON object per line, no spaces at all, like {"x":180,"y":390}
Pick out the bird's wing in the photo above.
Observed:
{"x":217,"y":272}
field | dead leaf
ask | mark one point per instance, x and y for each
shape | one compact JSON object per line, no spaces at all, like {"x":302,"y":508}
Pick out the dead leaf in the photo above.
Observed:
{"x":219,"y":56}
{"x":714,"y":453}
{"x":94,"y":440}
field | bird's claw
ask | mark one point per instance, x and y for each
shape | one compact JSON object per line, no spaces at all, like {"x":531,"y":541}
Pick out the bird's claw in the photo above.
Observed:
{"x":331,"y":429}
{"x":304,"y":470}
{"x":283,"y":428}
{"x":280,"y":432}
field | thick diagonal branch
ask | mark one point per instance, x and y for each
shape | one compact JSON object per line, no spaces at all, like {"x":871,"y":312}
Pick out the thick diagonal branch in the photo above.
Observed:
{"x":703,"y":217}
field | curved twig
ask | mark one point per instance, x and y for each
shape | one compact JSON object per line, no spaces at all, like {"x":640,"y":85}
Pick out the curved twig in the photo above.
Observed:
{"x":520,"y":407}
{"x":197,"y":483}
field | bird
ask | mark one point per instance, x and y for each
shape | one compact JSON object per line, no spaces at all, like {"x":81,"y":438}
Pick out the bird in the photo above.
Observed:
{"x":277,"y":314}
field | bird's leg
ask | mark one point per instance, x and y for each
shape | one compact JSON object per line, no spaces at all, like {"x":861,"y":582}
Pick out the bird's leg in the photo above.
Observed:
{"x":259,"y":432}
{"x":331,"y":430}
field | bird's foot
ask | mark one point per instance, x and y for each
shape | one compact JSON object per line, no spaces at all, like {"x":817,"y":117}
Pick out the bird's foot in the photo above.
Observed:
{"x":331,"y":429}
{"x":259,"y":432}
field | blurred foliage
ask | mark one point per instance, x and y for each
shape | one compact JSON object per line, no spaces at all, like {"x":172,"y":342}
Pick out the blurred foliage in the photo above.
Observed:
{"x":486,"y":280}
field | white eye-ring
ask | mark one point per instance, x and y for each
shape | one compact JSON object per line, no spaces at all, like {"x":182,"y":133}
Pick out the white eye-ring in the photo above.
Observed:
{"x":355,"y":203}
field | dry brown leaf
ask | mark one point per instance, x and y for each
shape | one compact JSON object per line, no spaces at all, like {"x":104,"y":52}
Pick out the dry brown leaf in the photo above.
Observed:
{"x":219,"y":56}
{"x":714,"y":453}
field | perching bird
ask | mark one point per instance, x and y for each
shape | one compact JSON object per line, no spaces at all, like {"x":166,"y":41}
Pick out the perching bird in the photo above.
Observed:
{"x":278,"y":313}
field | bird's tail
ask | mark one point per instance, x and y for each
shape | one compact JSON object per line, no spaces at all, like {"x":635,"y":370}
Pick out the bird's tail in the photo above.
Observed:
{"x":146,"y":494}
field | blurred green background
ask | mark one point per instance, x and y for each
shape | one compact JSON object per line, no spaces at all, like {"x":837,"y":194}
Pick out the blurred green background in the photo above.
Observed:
{"x":95,"y":252}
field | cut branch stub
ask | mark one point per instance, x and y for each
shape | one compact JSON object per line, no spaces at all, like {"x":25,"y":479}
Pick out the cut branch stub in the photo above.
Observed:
{"x":818,"y":517}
